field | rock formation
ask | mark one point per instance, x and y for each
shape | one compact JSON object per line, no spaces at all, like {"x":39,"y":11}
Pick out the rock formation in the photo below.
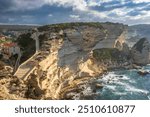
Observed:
{"x":140,"y":52}
{"x":10,"y":87}
{"x":70,"y":57}
{"x":70,"y":62}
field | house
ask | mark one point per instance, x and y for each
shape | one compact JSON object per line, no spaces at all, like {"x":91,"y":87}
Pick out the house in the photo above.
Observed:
{"x":10,"y":49}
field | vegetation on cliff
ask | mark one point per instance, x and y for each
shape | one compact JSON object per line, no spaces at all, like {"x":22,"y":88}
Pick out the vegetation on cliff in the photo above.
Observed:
{"x":27,"y":45}
{"x":62,"y":26}
{"x":64,"y":66}
{"x":112,"y":54}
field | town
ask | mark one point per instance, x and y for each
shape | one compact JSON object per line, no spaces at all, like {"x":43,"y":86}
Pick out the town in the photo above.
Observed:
{"x":8,"y":48}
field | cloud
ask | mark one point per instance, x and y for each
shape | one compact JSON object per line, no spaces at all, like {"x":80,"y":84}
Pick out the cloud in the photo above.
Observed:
{"x":141,"y":1}
{"x":125,"y":11}
{"x":75,"y":17}
{"x":119,"y":12}
{"x":93,"y":3}
{"x":33,"y":4}
{"x":50,"y":15}
{"x":4,"y":5}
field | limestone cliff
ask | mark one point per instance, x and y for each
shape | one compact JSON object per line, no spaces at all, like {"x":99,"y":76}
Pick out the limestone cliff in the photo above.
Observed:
{"x":70,"y":56}
{"x":70,"y":62}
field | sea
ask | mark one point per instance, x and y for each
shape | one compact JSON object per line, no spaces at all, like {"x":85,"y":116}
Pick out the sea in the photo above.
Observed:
{"x":125,"y":85}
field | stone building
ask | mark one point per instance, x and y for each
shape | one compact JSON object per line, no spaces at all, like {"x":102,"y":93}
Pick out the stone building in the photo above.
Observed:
{"x":10,"y":49}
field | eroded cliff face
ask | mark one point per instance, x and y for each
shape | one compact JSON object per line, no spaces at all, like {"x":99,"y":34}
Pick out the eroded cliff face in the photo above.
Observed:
{"x":67,"y":61}
{"x":141,"y":52}
{"x":10,"y":87}
{"x":70,"y":64}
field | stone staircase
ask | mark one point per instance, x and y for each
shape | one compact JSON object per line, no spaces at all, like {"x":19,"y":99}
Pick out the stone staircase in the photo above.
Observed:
{"x":26,"y":68}
{"x":24,"y":71}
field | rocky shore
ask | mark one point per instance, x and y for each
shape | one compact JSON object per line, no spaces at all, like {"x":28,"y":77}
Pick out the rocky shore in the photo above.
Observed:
{"x":72,"y":57}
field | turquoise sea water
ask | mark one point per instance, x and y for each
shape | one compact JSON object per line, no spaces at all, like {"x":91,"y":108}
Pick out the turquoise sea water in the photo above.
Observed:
{"x":125,"y":85}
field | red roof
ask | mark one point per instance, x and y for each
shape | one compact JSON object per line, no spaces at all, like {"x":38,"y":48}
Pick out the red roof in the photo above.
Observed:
{"x":9,"y":44}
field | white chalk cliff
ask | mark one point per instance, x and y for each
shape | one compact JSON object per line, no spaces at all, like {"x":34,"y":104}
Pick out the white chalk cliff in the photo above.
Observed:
{"x":70,"y":61}
{"x":70,"y":55}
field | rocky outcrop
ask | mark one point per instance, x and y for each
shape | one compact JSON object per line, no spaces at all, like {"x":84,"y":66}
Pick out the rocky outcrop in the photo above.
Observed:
{"x":114,"y":34}
{"x":111,"y":58}
{"x":71,"y":56}
{"x":70,"y":62}
{"x":10,"y":87}
{"x":140,"y":52}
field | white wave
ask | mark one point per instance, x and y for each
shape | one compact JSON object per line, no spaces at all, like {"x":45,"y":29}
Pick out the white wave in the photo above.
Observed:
{"x":125,"y":77}
{"x":111,"y":87}
{"x":120,"y":93}
{"x":133,"y":89}
{"x":148,"y":97}
{"x":132,"y":81}
{"x":122,"y":84}
{"x":110,"y":75}
{"x":115,"y":77}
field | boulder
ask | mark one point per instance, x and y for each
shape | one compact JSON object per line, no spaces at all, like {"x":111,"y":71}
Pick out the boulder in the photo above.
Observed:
{"x":98,"y":86}
{"x":143,"y":73}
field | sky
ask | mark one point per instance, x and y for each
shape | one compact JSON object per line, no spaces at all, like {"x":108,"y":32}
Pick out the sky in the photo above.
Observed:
{"x":43,"y":12}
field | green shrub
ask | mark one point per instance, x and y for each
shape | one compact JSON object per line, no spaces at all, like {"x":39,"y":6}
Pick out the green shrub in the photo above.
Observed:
{"x":107,"y":54}
{"x":27,"y":45}
{"x":58,"y":27}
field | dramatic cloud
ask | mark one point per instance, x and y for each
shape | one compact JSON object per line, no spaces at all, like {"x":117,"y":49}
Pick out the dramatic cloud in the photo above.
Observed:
{"x":140,"y":1}
{"x":57,"y":11}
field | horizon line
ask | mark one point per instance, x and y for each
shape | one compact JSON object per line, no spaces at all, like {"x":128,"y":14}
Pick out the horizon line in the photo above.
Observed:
{"x":68,"y":22}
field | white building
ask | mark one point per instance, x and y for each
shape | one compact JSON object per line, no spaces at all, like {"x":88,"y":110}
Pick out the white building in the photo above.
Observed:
{"x":10,"y":49}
